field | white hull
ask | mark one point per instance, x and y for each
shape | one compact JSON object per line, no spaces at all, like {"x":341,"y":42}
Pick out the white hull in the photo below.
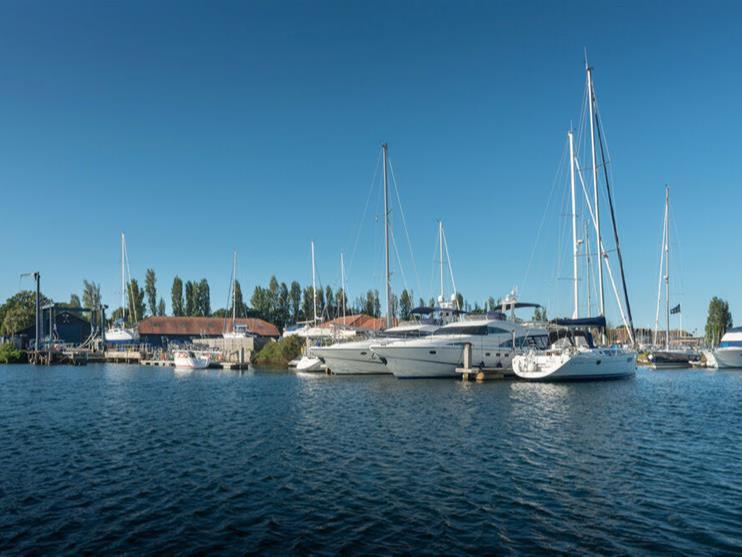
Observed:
{"x":307,"y":363}
{"x":121,"y":336}
{"x":567,"y":365}
{"x":724,"y":358}
{"x":407,"y":362}
{"x":191,"y":361}
{"x":352,"y":358}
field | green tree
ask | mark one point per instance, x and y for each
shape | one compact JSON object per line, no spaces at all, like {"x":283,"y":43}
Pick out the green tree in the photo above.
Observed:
{"x":460,"y":300}
{"x":136,"y":303}
{"x":238,"y":301}
{"x":295,"y":301}
{"x":150,"y":288}
{"x":261,"y":303}
{"x":273,"y":295}
{"x":718,"y":321}
{"x":341,"y":302}
{"x":284,"y":309}
{"x":330,"y":302}
{"x":90,"y":294}
{"x":176,"y":297}
{"x":19,"y":311}
{"x":191,"y":298}
{"x":75,"y":301}
{"x":368,"y":308}
{"x":405,"y":305}
{"x":161,"y":307}
{"x":377,"y":304}
{"x":491,"y":304}
{"x":204,"y":298}
{"x":307,"y":305}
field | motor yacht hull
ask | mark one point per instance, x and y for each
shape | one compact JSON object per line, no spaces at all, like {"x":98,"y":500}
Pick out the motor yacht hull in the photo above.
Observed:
{"x":724,"y":358}
{"x":671,"y":359}
{"x":407,"y":362}
{"x":354,"y":358}
{"x":593,"y":364}
{"x":192,"y":361}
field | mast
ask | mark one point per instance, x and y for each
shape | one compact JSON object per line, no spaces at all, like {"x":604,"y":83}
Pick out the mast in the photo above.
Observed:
{"x":440,"y":241}
{"x":587,"y":268}
{"x":667,"y":267}
{"x":123,"y":279}
{"x":575,"y":311}
{"x":314,"y":286}
{"x":591,"y":107}
{"x":342,"y":284}
{"x":385,"y":148}
{"x":234,"y":289}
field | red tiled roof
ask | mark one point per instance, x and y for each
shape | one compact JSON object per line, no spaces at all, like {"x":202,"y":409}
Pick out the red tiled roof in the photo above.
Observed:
{"x":359,"y":321}
{"x":206,"y":326}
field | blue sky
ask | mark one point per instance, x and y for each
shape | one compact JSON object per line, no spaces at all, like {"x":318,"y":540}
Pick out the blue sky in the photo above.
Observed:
{"x":202,"y":127}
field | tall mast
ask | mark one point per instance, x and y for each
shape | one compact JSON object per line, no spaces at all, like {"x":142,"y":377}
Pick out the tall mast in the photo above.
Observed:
{"x":587,"y":269}
{"x":384,"y":148}
{"x":123,"y":278}
{"x":667,"y":267}
{"x":575,"y":311}
{"x":342,"y":284}
{"x":440,"y":241}
{"x":591,"y":107}
{"x":234,"y":289}
{"x":314,"y":286}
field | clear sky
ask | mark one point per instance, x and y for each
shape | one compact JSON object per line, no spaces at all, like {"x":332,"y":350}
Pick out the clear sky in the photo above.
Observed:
{"x":202,"y":127}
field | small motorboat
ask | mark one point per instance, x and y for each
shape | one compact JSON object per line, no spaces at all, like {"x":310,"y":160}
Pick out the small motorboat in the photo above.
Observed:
{"x":188,"y":359}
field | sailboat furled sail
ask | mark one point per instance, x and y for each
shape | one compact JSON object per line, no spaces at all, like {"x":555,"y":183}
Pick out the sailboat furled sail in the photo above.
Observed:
{"x":571,"y":353}
{"x":119,"y":333}
{"x":236,"y":330}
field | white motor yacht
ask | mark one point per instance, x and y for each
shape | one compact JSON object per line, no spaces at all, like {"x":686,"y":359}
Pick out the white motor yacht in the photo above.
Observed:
{"x":493,"y":344}
{"x":729,"y":352}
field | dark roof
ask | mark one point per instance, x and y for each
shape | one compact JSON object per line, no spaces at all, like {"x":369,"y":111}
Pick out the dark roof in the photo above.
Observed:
{"x":202,"y":326}
{"x":582,"y":322}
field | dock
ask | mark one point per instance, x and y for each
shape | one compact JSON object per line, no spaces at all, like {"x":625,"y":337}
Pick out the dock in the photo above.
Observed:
{"x":480,"y":374}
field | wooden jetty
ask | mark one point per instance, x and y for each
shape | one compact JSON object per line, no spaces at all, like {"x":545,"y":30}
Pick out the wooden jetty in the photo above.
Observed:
{"x":480,"y":373}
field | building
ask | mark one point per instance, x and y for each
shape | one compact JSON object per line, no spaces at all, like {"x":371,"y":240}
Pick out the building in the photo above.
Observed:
{"x":164,"y":330}
{"x":67,"y":325}
{"x":360,"y":322}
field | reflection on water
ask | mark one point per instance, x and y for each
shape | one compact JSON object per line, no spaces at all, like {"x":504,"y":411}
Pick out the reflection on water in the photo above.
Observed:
{"x":124,"y":459}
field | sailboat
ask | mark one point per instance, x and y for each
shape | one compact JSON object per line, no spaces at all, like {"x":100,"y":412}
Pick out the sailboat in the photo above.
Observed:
{"x":667,"y":357}
{"x":310,"y":330}
{"x":571,"y":354}
{"x":237,"y":330}
{"x":119,"y":333}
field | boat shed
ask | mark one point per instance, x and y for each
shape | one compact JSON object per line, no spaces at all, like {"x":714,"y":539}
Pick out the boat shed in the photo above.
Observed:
{"x":69,"y":327}
{"x":163,"y":330}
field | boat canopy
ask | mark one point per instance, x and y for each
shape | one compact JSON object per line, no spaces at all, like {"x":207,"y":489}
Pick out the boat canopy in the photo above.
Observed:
{"x":598,"y":322}
{"x":425,"y":310}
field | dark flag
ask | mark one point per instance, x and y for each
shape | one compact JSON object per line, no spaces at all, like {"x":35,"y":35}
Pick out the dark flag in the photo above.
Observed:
{"x":675,"y":310}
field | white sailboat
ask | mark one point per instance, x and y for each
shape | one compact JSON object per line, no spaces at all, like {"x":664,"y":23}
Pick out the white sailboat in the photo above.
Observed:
{"x":237,"y":330}
{"x":308,"y":361}
{"x":667,"y":357}
{"x":119,"y":333}
{"x":571,"y":354}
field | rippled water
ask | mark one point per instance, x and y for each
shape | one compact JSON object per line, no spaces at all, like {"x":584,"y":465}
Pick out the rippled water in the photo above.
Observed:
{"x":122,"y":459}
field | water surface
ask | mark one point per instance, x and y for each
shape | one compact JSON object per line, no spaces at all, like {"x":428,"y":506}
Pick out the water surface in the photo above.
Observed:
{"x":129,"y":459}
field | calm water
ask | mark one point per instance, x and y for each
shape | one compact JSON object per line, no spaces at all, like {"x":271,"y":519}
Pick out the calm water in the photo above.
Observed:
{"x":127,"y":459}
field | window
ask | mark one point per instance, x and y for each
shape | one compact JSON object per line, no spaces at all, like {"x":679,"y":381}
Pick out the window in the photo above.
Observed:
{"x":463,"y":330}
{"x":497,"y":330}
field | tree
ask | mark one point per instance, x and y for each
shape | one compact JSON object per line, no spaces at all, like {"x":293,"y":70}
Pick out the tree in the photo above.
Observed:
{"x":284,"y":308}
{"x":161,"y":307}
{"x":307,"y":305}
{"x":369,"y":303}
{"x":460,"y":300}
{"x":176,"y":297}
{"x":238,"y":301}
{"x":295,"y":301}
{"x":204,"y":298}
{"x":330,"y":302}
{"x":19,"y":311}
{"x":377,"y":304}
{"x":405,"y":305}
{"x":191,"y":298}
{"x":491,"y":304}
{"x":261,"y":303}
{"x":136,"y":303}
{"x":273,"y":293}
{"x":718,"y":321}
{"x":150,"y":288}
{"x":421,"y":303}
{"x":75,"y":301}
{"x":90,"y":294}
{"x":341,"y":302}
